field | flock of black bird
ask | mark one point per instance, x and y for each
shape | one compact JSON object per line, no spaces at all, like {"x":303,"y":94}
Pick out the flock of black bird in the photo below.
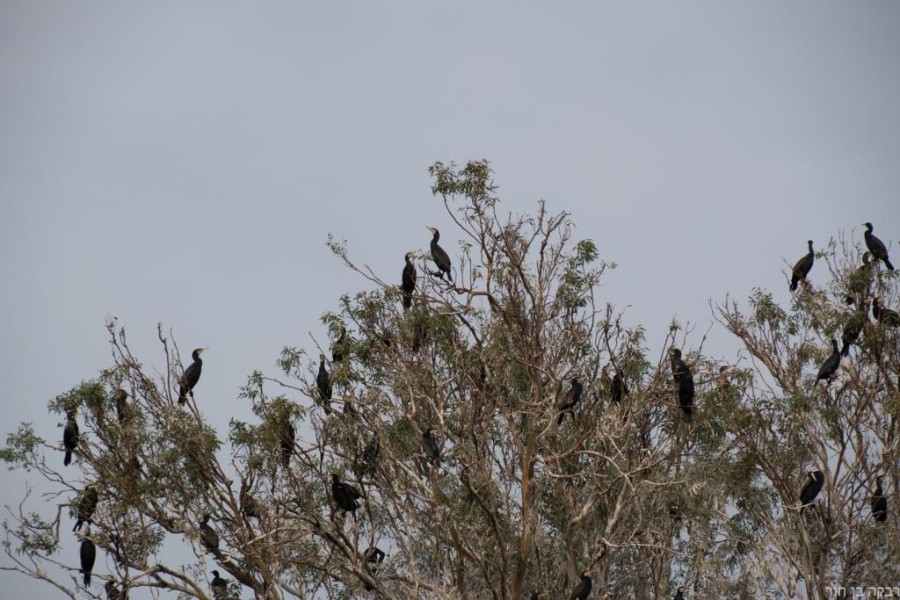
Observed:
{"x":348,"y":498}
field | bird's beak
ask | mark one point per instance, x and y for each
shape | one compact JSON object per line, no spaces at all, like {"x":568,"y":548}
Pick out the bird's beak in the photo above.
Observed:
{"x":431,"y":229}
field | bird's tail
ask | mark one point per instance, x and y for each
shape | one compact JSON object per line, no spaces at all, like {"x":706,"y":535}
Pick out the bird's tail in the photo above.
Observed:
{"x":845,"y":351}
{"x":182,"y":395}
{"x":794,"y":281}
{"x":87,"y":578}
{"x":77,"y":525}
{"x":888,"y":264}
{"x":407,"y":301}
{"x":68,"y":459}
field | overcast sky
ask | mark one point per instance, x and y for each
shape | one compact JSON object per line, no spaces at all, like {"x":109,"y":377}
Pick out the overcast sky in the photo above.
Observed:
{"x":183,"y":163}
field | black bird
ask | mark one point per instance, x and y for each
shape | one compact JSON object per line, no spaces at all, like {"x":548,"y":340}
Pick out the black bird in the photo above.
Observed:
{"x":879,"y":503}
{"x":345,"y":495}
{"x":339,"y":347}
{"x":811,"y":489}
{"x":249,"y":505}
{"x":88,"y":556}
{"x":369,"y":463}
{"x":679,"y":368}
{"x":121,"y":398}
{"x":571,"y":399}
{"x":408,"y":284}
{"x":287,"y":437}
{"x":190,"y":377}
{"x":679,"y":594}
{"x":324,"y":385}
{"x":885,"y":315}
{"x":374,"y":557}
{"x":70,"y":436}
{"x":441,"y":259}
{"x":803,"y":267}
{"x":877,"y":247}
{"x":831,"y":364}
{"x":113,"y":592}
{"x":618,"y":389}
{"x":219,"y":586}
{"x":686,"y":393}
{"x":432,"y":451}
{"x":86,"y":506}
{"x":583,"y":589}
{"x":209,"y":537}
{"x":852,"y":329}
{"x":861,"y":280}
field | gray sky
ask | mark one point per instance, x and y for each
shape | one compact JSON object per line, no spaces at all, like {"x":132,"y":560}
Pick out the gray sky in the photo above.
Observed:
{"x":184,"y":162}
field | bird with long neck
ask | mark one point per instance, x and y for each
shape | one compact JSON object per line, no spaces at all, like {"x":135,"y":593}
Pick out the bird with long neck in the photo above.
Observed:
{"x":877,"y":247}
{"x":440,"y":256}
{"x":408,"y":281}
{"x":191,"y":376}
{"x":803,"y":267}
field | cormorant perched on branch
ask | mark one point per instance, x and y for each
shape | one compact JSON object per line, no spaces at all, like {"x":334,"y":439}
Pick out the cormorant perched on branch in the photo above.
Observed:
{"x":113,"y":592}
{"x":374,"y":556}
{"x":432,"y":450}
{"x":571,"y":399}
{"x":441,"y":259}
{"x":831,"y":364}
{"x":879,"y":503}
{"x":686,"y":393}
{"x":86,"y":506}
{"x":369,"y":463}
{"x":339,"y":347}
{"x":209,"y":537}
{"x":249,"y":505}
{"x":288,"y":435}
{"x":861,"y":280}
{"x":121,"y":398}
{"x":324,"y":385}
{"x":885,"y":315}
{"x":803,"y":267}
{"x":852,"y":329}
{"x":618,"y":390}
{"x":408,"y":284}
{"x":88,"y":554}
{"x":70,"y":436}
{"x":812,"y":488}
{"x":345,"y":495}
{"x":877,"y":247}
{"x":191,"y":376}
{"x":583,"y":589}
{"x":679,"y":368}
{"x":219,"y":586}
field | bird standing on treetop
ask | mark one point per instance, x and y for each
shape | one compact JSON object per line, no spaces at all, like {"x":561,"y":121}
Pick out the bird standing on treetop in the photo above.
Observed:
{"x":877,"y":247}
{"x":831,"y":364}
{"x":803,"y":267}
{"x":618,"y":389}
{"x":583,"y":589}
{"x":86,"y":506}
{"x":441,"y":259}
{"x":324,"y":385}
{"x":219,"y":586}
{"x":686,"y":393}
{"x":345,"y":495}
{"x":191,"y":376}
{"x":88,"y":556}
{"x":571,"y":399}
{"x":678,"y":366}
{"x":408,"y":284}
{"x":432,"y":450}
{"x":70,"y":436}
{"x":879,"y":503}
{"x":811,"y":489}
{"x":884,"y":315}
{"x":861,"y":280}
{"x":209,"y":537}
